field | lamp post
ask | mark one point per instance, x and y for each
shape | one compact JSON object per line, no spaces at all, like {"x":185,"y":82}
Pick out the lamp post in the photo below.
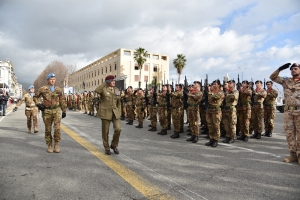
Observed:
{"x":242,"y":68}
{"x":164,"y":77}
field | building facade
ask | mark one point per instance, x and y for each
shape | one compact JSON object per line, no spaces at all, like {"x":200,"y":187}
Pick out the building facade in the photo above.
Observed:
{"x":120,"y":64}
{"x":8,"y":79}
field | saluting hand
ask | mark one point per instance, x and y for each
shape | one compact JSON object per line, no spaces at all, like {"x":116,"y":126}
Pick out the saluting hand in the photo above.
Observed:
{"x":285,"y":66}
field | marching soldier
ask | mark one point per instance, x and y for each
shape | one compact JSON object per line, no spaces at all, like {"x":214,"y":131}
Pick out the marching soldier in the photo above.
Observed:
{"x":130,"y":105}
{"x":269,"y":109}
{"x":244,"y":111}
{"x":214,"y":113}
{"x":194,"y":97}
{"x":291,"y":87}
{"x":177,"y":110}
{"x":229,"y":116}
{"x":85,"y":102}
{"x":140,"y":105}
{"x":53,"y":102}
{"x":31,"y":111}
{"x":258,"y":109}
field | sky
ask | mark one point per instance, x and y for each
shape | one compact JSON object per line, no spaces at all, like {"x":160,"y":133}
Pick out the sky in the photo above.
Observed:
{"x":251,"y":38}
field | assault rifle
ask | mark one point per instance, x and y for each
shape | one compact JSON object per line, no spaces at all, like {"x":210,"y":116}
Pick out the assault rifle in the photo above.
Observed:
{"x":146,"y":96}
{"x":206,"y":104}
{"x":239,"y":89}
{"x":185,"y":93}
{"x":224,"y":90}
{"x":168,"y":96}
{"x":253,"y":94}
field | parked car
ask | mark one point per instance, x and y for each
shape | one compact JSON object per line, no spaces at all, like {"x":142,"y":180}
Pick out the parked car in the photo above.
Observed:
{"x":280,"y":104}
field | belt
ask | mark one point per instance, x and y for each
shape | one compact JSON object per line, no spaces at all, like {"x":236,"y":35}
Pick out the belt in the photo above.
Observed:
{"x":258,"y":103}
{"x":292,"y":107}
{"x":30,"y":106}
{"x":228,"y":107}
{"x":214,"y":107}
{"x":176,"y":107}
{"x":52,"y":107}
{"x":193,"y":105}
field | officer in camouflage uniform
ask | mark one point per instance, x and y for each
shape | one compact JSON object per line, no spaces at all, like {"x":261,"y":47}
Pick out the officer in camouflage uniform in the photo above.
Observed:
{"x":177,"y":110}
{"x":269,"y":109}
{"x":214,"y":113}
{"x":291,"y":87}
{"x":31,"y":111}
{"x":251,"y":129}
{"x":258,"y":109}
{"x":85,"y":102}
{"x":229,"y":116}
{"x":130,"y":105}
{"x":162,"y":110}
{"x":244,"y":111}
{"x":194,"y":98}
{"x":140,"y":105}
{"x":53,"y":103}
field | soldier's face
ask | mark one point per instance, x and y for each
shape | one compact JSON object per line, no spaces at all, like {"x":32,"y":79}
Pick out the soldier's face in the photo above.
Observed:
{"x":295,"y":71}
{"x":112,"y":84}
{"x":51,"y":81}
{"x":231,"y":85}
{"x":177,"y":88}
{"x":258,"y":85}
{"x":215,"y":85}
{"x":31,"y":90}
{"x":269,"y":85}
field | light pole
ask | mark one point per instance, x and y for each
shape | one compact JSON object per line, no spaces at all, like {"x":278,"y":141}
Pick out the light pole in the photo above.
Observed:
{"x":242,"y":68}
{"x":164,"y":77}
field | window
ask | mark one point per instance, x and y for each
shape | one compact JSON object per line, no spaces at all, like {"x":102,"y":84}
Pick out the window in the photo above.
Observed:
{"x":155,"y":57}
{"x":105,"y":69}
{"x":110,"y":68}
{"x":98,"y":72}
{"x":146,"y":78}
{"x":98,"y":81}
{"x":102,"y":70}
{"x":164,"y":57}
{"x":127,"y":53}
{"x":115,"y":66}
{"x":136,"y":67}
{"x":136,"y":78}
{"x":155,"y":68}
{"x":146,"y":68}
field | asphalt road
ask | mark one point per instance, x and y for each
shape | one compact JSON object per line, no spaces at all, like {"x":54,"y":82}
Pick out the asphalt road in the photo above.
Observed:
{"x":149,"y":166}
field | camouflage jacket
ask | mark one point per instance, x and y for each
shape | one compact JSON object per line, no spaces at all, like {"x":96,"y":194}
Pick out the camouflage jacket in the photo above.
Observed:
{"x":162,"y":100}
{"x":140,"y":101}
{"x":271,"y":97}
{"x":260,"y":95}
{"x":215,"y":98}
{"x":176,"y":99}
{"x":231,"y":98}
{"x":29,"y":103}
{"x":291,"y":89}
{"x":194,"y":99}
{"x":51,"y":99}
{"x":130,"y":99}
{"x":245,"y":98}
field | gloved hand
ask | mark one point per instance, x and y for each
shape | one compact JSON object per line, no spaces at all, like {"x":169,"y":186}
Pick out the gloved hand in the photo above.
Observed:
{"x":285,"y":66}
{"x":63,"y":115}
{"x":41,"y":106}
{"x":15,"y":109}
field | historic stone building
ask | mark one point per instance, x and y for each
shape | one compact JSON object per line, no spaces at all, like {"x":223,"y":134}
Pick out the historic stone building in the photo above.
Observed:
{"x":120,"y":64}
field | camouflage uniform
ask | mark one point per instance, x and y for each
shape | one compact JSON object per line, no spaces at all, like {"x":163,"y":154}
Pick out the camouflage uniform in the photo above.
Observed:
{"x":74,"y":102}
{"x":269,"y":111}
{"x":153,"y":112}
{"x":85,"y":103}
{"x":177,"y":110}
{"x":53,"y":102}
{"x":130,"y":107}
{"x":214,"y":113}
{"x":97,"y":103}
{"x":194,"y":98}
{"x":91,"y":104}
{"x":31,"y":112}
{"x":69,"y":103}
{"x":244,"y":112}
{"x":123,"y":106}
{"x":162,"y":112}
{"x":140,"y":105}
{"x":292,"y":110}
{"x":80,"y":98}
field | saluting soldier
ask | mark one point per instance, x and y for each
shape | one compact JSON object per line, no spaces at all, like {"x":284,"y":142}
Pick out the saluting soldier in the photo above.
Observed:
{"x":244,"y":111}
{"x":291,"y":87}
{"x":31,"y":111}
{"x":258,"y":109}
{"x":110,"y":111}
{"x":140,"y":105}
{"x":177,"y":110}
{"x":53,"y":103}
{"x":229,"y":116}
{"x":214,"y":113}
{"x":269,"y":109}
{"x":194,"y":98}
{"x":162,"y":110}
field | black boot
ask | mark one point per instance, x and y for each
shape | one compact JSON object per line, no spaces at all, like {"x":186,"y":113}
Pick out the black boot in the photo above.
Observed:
{"x":246,"y":139}
{"x":153,"y":129}
{"x":254,"y":135}
{"x":215,"y":143}
{"x":164,"y":132}
{"x":130,"y":122}
{"x":139,"y":126}
{"x":169,"y":127}
{"x":251,"y":131}
{"x":175,"y":135}
{"x":191,"y":138}
{"x":226,"y":140}
{"x":270,"y":134}
{"x":209,"y":143}
{"x":231,"y":140}
{"x":266,"y":133}
{"x":195,"y":140}
{"x":258,"y":136}
{"x":242,"y":137}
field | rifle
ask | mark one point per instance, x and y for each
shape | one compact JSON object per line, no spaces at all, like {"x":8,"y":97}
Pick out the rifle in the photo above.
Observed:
{"x":155,"y":93}
{"x":264,"y":84}
{"x":206,"y":104}
{"x":168,"y":96}
{"x":173,"y":90}
{"x":185,"y":93}
{"x":224,"y":90}
{"x":146,"y":95}
{"x":239,"y":89}
{"x":253,"y":94}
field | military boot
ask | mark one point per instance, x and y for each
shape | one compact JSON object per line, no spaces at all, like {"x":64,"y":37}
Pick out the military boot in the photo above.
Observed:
{"x":153,"y":129}
{"x":191,"y":138}
{"x":50,"y":149}
{"x":130,"y":122}
{"x":242,"y":137}
{"x":226,"y":140}
{"x":139,"y":126}
{"x":258,"y":136}
{"x":195,"y":140}
{"x":175,"y":135}
{"x":169,"y":127}
{"x":56,"y":147}
{"x":164,"y":132}
{"x":266,"y":133}
{"x":254,"y":135}
{"x":292,"y":158}
{"x":209,"y":143}
{"x":215,"y":143}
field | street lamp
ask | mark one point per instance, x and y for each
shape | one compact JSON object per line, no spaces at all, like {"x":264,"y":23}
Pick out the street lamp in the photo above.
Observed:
{"x":164,"y":77}
{"x":242,"y":68}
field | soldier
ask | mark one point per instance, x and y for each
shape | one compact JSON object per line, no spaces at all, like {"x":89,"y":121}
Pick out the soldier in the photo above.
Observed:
{"x":123,"y":105}
{"x":258,"y":109}
{"x":85,"y":102}
{"x":244,"y":111}
{"x":140,"y":105}
{"x":229,"y":116}
{"x":214,"y":113}
{"x":251,"y":129}
{"x":91,"y":104}
{"x":31,"y":110}
{"x":194,"y":98}
{"x":110,"y":111}
{"x":269,"y":109}
{"x":222,"y":125}
{"x":53,"y":102}
{"x":80,"y":99}
{"x":163,"y":110}
{"x":4,"y":97}
{"x":70,"y":101}
{"x":291,"y":87}
{"x":130,"y":105}
{"x":153,"y":109}
{"x":177,"y":110}
{"x":97,"y":103}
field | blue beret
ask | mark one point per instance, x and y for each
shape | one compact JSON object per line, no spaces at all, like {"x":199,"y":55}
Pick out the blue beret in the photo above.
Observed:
{"x":50,"y":76}
{"x":30,"y":87}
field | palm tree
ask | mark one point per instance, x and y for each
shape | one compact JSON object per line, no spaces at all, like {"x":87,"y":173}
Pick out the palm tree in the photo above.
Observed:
{"x":140,"y":56}
{"x":179,"y":63}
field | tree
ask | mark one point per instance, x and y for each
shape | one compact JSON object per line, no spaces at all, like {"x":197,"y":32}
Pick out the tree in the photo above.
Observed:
{"x":179,"y":63}
{"x":140,"y":56}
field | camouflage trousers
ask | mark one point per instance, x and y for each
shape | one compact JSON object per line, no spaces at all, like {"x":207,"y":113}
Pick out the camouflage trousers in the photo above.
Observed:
{"x":124,"y":114}
{"x":52,"y":117}
{"x":292,"y":129}
{"x":213,"y":118}
{"x":32,"y":118}
{"x":153,"y":116}
{"x":193,"y":118}
{"x":229,"y":119}
{"x":177,"y":118}
{"x":244,"y":121}
{"x":150,"y":108}
{"x":163,"y":117}
{"x":79,"y":105}
{"x":257,"y":115}
{"x":140,"y":115}
{"x":130,"y":112}
{"x":169,"y":117}
{"x":74,"y":105}
{"x":203,"y":116}
{"x":91,"y":109}
{"x":85,"y":107}
{"x":269,"y":116}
